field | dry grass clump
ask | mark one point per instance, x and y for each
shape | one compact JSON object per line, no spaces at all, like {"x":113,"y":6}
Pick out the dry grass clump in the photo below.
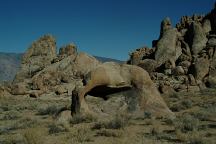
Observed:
{"x":187,"y":123}
{"x":156,"y":129}
{"x":118,"y":122}
{"x":175,"y":95}
{"x":33,"y":136}
{"x":206,"y":113}
{"x":186,"y":128}
{"x":29,"y":136}
{"x":57,"y":128}
{"x":19,"y":124}
{"x":187,"y":104}
{"x":110,"y":133}
{"x":183,"y":105}
{"x":193,"y":137}
{"x":82,"y":119}
{"x":13,"y":139}
{"x":50,"y":110}
{"x":10,"y":115}
{"x":80,"y":135}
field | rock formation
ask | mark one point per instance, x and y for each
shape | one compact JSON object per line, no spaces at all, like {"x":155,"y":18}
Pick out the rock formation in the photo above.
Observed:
{"x":109,"y":78}
{"x":167,"y":48}
{"x":38,"y":56}
{"x":183,"y":58}
{"x":43,"y":71}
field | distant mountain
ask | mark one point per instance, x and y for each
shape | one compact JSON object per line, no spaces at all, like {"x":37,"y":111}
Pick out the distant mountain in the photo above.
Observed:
{"x":103,"y":59}
{"x":10,"y":64}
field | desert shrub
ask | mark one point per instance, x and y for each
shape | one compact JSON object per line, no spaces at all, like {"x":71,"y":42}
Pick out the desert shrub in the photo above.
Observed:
{"x":19,"y":124}
{"x":192,"y":137}
{"x":50,"y":110}
{"x":110,"y":133}
{"x":24,"y":123}
{"x":205,"y":114}
{"x":186,"y":123}
{"x":99,"y":125}
{"x":13,"y":139}
{"x":165,"y":136}
{"x":187,"y":104}
{"x":169,"y":121}
{"x":174,"y":95}
{"x":5,"y":108}
{"x":202,"y":115}
{"x":156,"y":129}
{"x":57,"y":128}
{"x":118,"y":122}
{"x":82,"y":119}
{"x":28,"y":104}
{"x":27,"y":123}
{"x":177,"y":107}
{"x":33,"y":136}
{"x":10,"y":115}
{"x":81,"y":135}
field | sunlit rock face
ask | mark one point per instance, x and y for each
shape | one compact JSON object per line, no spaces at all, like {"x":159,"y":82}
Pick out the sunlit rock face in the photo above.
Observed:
{"x":183,"y":58}
{"x":132,"y":87}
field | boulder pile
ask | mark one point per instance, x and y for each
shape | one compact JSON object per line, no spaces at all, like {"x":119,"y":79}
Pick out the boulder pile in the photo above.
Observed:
{"x":183,"y":58}
{"x":44,"y":71}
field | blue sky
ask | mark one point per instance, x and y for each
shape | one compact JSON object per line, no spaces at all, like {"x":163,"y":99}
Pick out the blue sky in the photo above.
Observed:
{"x":109,"y":28}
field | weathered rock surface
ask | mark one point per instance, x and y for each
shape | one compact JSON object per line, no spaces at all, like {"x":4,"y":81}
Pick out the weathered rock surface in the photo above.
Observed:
{"x":148,"y":64}
{"x":67,"y":50}
{"x":109,"y":78}
{"x":199,"y":39}
{"x":167,"y":48}
{"x":141,"y":54}
{"x":201,"y":68}
{"x":43,"y":71}
{"x":65,"y":71}
{"x":38,"y":56}
{"x":185,"y":55}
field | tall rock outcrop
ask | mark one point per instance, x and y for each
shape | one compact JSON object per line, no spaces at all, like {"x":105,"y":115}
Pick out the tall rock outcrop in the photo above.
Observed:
{"x":44,"y":71}
{"x":40,"y":54}
{"x":198,"y":39}
{"x":184,"y":55}
{"x":167,"y":48}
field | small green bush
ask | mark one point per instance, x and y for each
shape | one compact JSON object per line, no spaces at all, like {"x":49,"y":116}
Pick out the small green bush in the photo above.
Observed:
{"x":19,"y":124}
{"x":110,"y":133}
{"x":118,"y":122}
{"x":187,"y":123}
{"x":10,"y":115}
{"x":33,"y":136}
{"x":57,"y":128}
{"x":82,"y":119}
{"x":49,"y":110}
{"x":81,"y":135}
{"x":187,"y":104}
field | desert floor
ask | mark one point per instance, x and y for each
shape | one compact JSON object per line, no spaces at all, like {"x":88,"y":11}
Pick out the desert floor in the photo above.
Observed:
{"x":25,"y":120}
